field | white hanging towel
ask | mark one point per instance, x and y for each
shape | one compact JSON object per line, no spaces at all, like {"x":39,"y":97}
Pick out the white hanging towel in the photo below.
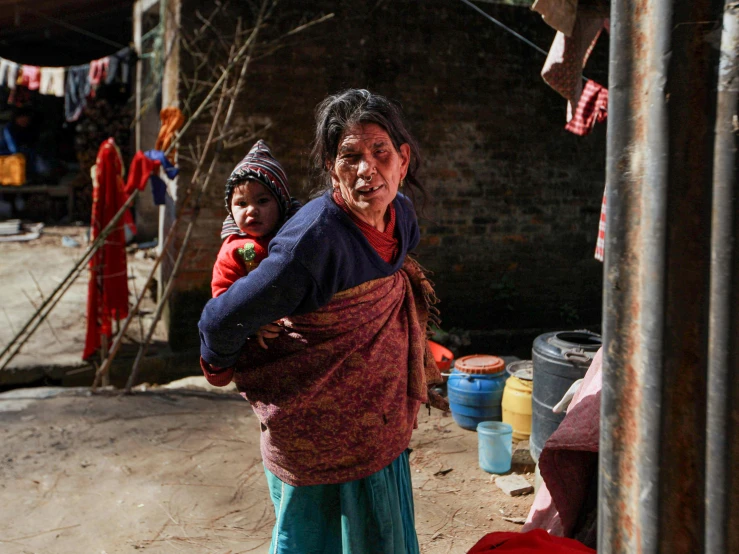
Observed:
{"x":52,"y":81}
{"x":8,"y":73}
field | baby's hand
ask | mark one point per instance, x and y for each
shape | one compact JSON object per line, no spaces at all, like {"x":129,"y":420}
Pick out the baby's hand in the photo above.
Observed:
{"x":269,"y":331}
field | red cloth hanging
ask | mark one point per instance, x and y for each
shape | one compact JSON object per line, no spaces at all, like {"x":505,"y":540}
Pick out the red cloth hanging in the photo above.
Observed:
{"x":140,"y":171}
{"x":537,"y":541}
{"x":107,"y":291}
{"x":592,"y":108}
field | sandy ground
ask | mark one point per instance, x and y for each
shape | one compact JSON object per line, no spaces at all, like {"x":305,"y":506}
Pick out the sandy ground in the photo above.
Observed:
{"x":179,"y":471}
{"x":30,"y":271}
{"x":171,"y":470}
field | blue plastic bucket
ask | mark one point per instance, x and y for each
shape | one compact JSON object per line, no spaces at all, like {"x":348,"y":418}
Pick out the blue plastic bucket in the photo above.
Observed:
{"x":475,"y":397}
{"x":494,"y":444}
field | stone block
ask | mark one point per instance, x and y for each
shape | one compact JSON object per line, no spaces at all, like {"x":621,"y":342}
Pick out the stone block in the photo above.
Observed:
{"x":514,"y":485}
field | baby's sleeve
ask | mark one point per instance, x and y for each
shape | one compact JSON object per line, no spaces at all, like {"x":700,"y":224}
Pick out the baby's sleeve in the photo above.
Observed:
{"x":228,"y":269}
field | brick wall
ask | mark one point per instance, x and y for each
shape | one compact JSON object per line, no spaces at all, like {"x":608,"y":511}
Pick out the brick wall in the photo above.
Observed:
{"x":510,"y":224}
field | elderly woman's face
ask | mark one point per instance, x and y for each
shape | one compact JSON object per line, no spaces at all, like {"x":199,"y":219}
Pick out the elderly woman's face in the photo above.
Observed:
{"x":368,"y":170}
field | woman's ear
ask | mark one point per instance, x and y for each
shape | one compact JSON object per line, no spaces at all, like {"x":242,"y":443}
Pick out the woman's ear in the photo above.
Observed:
{"x":405,"y":159}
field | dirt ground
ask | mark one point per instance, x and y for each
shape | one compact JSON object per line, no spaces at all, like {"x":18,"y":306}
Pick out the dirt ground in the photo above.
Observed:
{"x":176,"y":470}
{"x":30,"y":271}
{"x":170,"y":470}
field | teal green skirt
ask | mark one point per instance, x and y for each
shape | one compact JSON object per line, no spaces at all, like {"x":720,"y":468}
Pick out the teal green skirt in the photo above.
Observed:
{"x":373,"y":515}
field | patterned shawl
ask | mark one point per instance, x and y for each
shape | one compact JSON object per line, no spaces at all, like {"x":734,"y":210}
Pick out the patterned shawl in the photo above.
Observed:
{"x":338,"y":393}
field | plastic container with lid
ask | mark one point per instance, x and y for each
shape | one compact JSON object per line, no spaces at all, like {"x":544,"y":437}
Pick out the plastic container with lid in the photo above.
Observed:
{"x":475,"y":389}
{"x":559,"y":359}
{"x":516,"y":402}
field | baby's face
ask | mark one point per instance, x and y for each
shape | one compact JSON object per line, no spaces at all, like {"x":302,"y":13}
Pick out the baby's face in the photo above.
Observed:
{"x":255,"y":209}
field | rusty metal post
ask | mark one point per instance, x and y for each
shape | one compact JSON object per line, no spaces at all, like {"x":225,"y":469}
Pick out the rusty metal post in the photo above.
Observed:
{"x":659,"y":171}
{"x":722,"y":456}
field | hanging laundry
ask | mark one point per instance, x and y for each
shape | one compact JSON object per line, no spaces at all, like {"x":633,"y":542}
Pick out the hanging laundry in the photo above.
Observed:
{"x":77,"y":91}
{"x":168,"y":167}
{"x":558,"y":14}
{"x":172,"y":121}
{"x":600,"y":245}
{"x":119,"y":68}
{"x":52,"y":81}
{"x":139,"y":172}
{"x":8,"y":73}
{"x":567,"y":57}
{"x":98,"y":72}
{"x":107,"y":293}
{"x":592,"y":108}
{"x":145,"y":168}
{"x":30,"y":77}
{"x":159,"y":187}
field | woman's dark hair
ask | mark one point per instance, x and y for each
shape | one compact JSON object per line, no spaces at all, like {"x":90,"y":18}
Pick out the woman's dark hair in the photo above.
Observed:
{"x":339,"y":112}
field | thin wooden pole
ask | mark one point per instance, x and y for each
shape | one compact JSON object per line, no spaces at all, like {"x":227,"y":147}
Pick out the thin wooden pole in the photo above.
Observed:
{"x":180,"y":256}
{"x":104,"y":368}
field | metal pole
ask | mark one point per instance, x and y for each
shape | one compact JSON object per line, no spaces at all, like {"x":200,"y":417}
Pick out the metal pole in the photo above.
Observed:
{"x":722,"y":487}
{"x":659,"y":166}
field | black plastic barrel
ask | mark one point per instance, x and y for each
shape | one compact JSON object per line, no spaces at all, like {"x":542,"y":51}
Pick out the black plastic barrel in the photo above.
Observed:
{"x":559,"y":359}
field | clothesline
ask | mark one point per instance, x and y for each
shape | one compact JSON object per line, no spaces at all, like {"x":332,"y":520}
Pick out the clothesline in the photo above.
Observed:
{"x":73,"y":83}
{"x":511,"y":31}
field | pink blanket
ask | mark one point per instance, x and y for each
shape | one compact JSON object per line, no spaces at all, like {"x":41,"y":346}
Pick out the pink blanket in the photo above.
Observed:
{"x":568,"y":459}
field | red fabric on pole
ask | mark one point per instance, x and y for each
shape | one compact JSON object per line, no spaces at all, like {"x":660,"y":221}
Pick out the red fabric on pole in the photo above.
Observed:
{"x":107,"y":291}
{"x":140,"y":171}
{"x":537,"y":541}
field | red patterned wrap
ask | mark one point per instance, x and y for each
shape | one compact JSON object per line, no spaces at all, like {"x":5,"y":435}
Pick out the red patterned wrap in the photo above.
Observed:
{"x":337,"y":394}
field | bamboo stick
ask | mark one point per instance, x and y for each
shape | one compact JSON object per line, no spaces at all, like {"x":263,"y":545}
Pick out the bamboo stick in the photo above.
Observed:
{"x":180,"y":256}
{"x":105,"y":366}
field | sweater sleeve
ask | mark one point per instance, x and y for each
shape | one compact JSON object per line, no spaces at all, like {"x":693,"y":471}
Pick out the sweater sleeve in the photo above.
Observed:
{"x":285,"y":283}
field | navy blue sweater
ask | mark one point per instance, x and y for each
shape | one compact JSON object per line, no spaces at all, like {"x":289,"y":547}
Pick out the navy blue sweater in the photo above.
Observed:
{"x":317,"y":253}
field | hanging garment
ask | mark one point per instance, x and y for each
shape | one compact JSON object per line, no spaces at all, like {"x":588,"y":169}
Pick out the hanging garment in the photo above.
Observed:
{"x":138,"y":174}
{"x":52,"y":81}
{"x":30,"y":77}
{"x":567,"y":57}
{"x":600,"y":245}
{"x":158,"y":186}
{"x":77,"y":91}
{"x":145,"y":168}
{"x":172,"y":121}
{"x":564,"y":504}
{"x":119,"y":68}
{"x":8,"y":73}
{"x":592,"y":108}
{"x":98,"y":72}
{"x":107,"y":293}
{"x":558,"y":14}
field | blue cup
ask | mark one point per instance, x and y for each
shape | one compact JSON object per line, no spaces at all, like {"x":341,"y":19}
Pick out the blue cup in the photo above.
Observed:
{"x":494,"y":443}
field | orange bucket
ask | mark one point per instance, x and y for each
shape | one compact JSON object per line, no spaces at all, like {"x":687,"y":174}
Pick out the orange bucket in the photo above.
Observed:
{"x":442,"y":356}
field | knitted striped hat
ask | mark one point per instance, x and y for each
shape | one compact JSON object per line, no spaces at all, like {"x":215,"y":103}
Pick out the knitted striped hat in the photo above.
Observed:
{"x":259,"y":165}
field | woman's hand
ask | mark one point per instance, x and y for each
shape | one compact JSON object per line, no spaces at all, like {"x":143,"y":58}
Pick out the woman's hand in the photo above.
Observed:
{"x":269,"y":331}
